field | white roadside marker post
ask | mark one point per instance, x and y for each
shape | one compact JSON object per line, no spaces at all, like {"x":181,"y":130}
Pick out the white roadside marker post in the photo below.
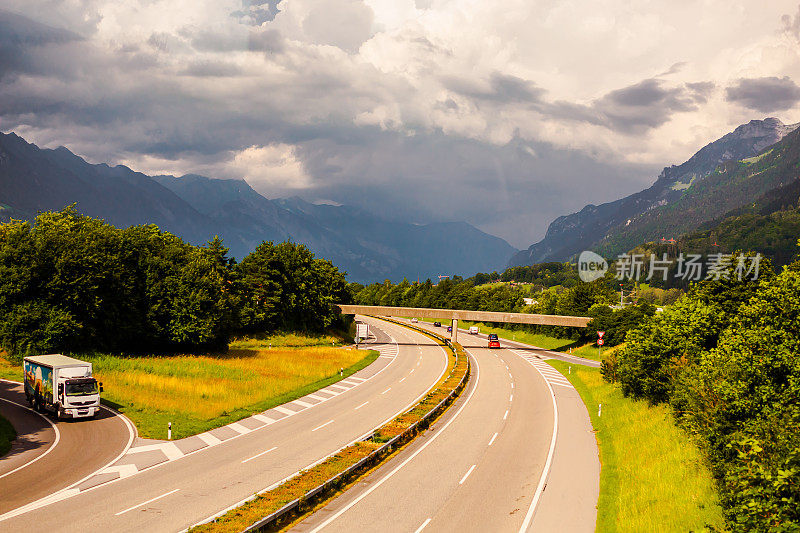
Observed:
{"x":169,"y":431}
{"x":599,"y":409}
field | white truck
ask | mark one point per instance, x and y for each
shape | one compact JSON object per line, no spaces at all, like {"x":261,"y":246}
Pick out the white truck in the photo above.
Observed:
{"x":473,"y":330}
{"x":61,"y":385}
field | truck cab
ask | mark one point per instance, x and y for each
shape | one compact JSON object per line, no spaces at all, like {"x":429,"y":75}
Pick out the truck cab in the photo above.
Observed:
{"x":62,"y":385}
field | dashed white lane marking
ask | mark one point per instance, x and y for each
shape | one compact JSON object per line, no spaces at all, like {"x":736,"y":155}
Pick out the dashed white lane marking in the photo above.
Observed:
{"x":146,"y":448}
{"x":148,"y":501}
{"x":511,"y":398}
{"x":209,"y":439}
{"x":359,"y":379}
{"x":171,"y":451}
{"x":323,"y":425}
{"x":284,"y":410}
{"x":260,"y":454}
{"x":387,"y":390}
{"x":505,"y":415}
{"x":402,"y":380}
{"x":425,"y":523}
{"x":122,"y":470}
{"x":267,"y":420}
{"x":412,"y":371}
{"x":492,"y":441}
{"x":238,"y":428}
{"x":301,"y":403}
{"x":338,"y":386}
{"x":315,"y":397}
{"x":328,"y":391}
{"x":463,"y":479}
{"x":348,"y":382}
{"x":512,"y":384}
{"x":360,"y":406}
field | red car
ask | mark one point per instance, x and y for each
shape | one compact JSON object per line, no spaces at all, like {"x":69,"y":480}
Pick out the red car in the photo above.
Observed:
{"x":494,"y":344}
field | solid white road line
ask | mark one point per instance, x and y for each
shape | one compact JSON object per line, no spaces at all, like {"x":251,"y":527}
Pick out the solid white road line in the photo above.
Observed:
{"x":360,"y":406}
{"x":148,"y":501}
{"x":260,"y":454}
{"x":323,"y":425}
{"x":50,"y":449}
{"x":463,"y":479}
{"x":493,"y":437}
{"x":425,"y":523}
{"x":375,"y":486}
{"x":546,"y":471}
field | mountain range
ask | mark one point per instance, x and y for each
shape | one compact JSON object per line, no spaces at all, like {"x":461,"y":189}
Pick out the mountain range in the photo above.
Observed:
{"x":724,"y":175}
{"x":196,"y":208}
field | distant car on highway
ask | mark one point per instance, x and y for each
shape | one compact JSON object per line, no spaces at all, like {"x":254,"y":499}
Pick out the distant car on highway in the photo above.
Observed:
{"x":494,"y":343}
{"x":414,"y":320}
{"x":473,"y":330}
{"x":492,"y":336}
{"x":437,"y":324}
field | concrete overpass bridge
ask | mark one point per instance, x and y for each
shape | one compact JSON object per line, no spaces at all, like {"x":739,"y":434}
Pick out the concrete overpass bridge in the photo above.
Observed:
{"x":454,"y":315}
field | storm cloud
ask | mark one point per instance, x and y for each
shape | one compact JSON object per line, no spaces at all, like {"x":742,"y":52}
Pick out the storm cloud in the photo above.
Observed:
{"x":429,"y":111}
{"x":767,"y":94}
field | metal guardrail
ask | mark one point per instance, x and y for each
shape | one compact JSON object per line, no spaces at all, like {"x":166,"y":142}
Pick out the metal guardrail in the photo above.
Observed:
{"x":272,"y":521}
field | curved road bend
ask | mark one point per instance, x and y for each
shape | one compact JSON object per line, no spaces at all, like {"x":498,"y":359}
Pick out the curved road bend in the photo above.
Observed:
{"x":177,"y":494}
{"x":51,"y":454}
{"x":479,"y":467}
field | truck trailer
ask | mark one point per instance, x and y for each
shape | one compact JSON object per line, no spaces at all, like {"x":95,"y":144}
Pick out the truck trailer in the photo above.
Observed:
{"x":61,"y":385}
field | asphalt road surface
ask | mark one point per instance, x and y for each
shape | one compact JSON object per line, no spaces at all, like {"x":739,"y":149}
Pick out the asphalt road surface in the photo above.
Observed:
{"x":492,"y":463}
{"x":177,"y":494}
{"x":49,"y":454}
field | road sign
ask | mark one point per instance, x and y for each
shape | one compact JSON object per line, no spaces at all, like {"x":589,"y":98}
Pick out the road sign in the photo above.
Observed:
{"x":362,"y":330}
{"x":599,"y":342}
{"x":601,"y":333}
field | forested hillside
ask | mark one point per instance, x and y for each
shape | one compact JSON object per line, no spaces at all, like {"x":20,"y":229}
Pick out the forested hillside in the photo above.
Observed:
{"x":70,"y":283}
{"x":725,"y":357}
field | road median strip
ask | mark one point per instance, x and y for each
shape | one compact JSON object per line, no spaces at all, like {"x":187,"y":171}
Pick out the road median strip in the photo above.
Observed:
{"x":297,"y":496}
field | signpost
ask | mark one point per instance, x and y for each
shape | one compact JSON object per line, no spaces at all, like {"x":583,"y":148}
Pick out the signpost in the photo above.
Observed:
{"x":362,"y":332}
{"x":600,"y":341}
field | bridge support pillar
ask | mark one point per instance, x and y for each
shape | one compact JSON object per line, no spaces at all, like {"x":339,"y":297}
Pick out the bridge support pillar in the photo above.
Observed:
{"x":454,"y":334}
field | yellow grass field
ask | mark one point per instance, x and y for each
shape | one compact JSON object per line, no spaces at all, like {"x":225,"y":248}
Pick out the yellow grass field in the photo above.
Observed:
{"x":199,"y":392}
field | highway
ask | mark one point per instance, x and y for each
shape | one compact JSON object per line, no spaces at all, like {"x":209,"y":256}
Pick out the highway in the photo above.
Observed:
{"x":171,"y":486}
{"x":491,"y":463}
{"x":50,"y":455}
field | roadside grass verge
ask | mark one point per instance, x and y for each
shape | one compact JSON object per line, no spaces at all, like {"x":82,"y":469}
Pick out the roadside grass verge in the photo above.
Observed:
{"x":7,"y":436}
{"x":201,"y":392}
{"x":198,"y":393}
{"x":9,"y":370}
{"x":653,"y":477}
{"x":298,"y":486}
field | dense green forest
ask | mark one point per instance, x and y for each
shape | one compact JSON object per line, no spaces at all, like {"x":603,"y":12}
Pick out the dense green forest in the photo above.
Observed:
{"x":74,"y":284}
{"x":550,"y":298}
{"x":726,"y":357}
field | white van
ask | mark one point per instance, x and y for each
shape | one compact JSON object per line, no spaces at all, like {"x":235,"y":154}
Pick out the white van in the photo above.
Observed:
{"x":473,"y":330}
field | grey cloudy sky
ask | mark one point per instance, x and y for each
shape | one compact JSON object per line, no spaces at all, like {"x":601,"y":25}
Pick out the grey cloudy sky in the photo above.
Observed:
{"x":505,"y":115}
